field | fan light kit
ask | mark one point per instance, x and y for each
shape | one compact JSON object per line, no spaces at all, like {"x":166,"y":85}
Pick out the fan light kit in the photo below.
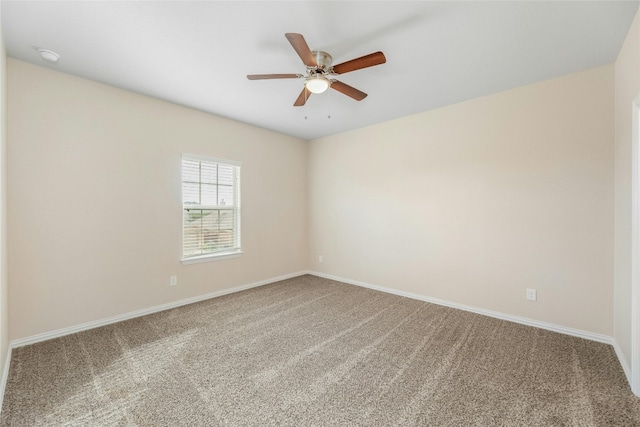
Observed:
{"x":317,"y":84}
{"x":319,"y":70}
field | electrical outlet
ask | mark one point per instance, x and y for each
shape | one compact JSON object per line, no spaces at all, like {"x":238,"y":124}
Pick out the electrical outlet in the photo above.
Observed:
{"x":531,"y":294}
{"x":320,"y":258}
{"x":173,"y":280}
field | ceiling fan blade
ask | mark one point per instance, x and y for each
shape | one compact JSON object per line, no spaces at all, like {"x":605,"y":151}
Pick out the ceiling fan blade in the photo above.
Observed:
{"x":302,"y":98}
{"x":302,"y":49}
{"x":272,"y":76}
{"x":348,"y":90}
{"x":370,"y":60}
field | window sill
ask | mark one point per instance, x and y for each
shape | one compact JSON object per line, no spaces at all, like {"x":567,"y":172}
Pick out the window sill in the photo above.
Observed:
{"x":212,"y":257}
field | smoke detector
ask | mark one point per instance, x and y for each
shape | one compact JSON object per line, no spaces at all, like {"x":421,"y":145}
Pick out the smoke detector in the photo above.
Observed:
{"x":48,"y":55}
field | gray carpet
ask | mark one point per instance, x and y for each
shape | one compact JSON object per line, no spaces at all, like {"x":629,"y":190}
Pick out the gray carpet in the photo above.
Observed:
{"x":314,"y":352}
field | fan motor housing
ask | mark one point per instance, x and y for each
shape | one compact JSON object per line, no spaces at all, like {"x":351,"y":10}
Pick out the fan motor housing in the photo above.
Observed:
{"x":323,"y":59}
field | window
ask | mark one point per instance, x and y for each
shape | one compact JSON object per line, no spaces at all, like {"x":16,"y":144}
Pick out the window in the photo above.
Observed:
{"x":210,"y":208}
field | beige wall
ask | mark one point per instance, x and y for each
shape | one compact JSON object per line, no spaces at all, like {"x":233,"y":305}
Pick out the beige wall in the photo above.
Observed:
{"x":94,"y":204}
{"x":476,"y":202}
{"x":627,"y":87}
{"x":471,"y":203}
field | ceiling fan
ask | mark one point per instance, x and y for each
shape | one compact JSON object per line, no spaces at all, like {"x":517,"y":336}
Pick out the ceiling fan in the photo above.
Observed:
{"x":320,"y":72}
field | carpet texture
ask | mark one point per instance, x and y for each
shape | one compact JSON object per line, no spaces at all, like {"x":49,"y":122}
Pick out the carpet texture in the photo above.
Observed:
{"x":314,"y":352}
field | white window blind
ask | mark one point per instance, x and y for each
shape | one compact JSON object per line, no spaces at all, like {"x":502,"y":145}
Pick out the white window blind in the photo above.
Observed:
{"x":211,"y":207}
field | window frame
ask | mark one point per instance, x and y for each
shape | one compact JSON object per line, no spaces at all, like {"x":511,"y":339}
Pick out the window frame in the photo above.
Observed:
{"x":236,"y":250}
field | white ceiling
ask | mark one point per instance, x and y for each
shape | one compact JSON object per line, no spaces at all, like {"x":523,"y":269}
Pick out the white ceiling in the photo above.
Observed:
{"x":198,"y":53}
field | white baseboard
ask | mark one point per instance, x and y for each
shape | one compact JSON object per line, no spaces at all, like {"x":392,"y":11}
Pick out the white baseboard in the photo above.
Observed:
{"x":516,"y":319}
{"x":5,"y":375}
{"x":126,"y":316}
{"x":626,"y":367}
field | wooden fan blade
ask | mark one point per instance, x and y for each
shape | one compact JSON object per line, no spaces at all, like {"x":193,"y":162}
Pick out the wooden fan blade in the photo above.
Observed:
{"x":272,"y":76}
{"x":348,"y":90}
{"x":302,"y":49}
{"x":302,"y":98}
{"x":370,"y":60}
